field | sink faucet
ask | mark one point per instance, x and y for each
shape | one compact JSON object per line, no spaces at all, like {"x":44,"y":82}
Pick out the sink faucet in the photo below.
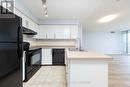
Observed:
{"x":78,"y":44}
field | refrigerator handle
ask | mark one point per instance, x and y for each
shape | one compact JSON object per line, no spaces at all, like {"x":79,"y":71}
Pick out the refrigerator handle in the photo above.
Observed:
{"x":20,"y":51}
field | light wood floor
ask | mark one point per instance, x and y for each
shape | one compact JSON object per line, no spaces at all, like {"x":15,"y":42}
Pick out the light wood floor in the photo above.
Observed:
{"x":119,"y":71}
{"x":48,"y":76}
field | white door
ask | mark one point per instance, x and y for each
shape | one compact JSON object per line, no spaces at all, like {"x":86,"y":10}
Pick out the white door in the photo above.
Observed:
{"x":46,"y":56}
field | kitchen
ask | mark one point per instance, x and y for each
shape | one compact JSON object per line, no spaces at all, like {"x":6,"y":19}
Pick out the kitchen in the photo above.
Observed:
{"x":66,"y":46}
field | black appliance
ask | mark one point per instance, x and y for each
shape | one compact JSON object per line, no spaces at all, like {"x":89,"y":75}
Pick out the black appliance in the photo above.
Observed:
{"x":33,"y":62}
{"x":11,"y":52}
{"x":26,"y":46}
{"x":58,"y":56}
{"x":28,"y":31}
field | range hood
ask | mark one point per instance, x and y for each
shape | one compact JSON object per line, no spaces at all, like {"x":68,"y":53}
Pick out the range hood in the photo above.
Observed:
{"x":28,"y":31}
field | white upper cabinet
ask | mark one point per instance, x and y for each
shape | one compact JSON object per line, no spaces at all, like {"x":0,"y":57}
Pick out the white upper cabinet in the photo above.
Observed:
{"x":74,"y":31}
{"x":50,"y":31}
{"x":42,"y":34}
{"x":28,"y":23}
{"x":45,"y":32}
{"x":62,"y":32}
{"x":58,"y":32}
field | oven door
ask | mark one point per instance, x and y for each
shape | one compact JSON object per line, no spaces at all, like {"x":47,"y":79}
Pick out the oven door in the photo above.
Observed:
{"x":35,"y":57}
{"x":33,"y":62}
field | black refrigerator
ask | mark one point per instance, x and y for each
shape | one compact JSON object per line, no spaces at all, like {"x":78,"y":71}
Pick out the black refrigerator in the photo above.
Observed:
{"x":11,"y":52}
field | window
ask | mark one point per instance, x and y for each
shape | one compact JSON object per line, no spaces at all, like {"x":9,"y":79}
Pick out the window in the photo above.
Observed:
{"x":8,"y":7}
{"x":126,"y":36}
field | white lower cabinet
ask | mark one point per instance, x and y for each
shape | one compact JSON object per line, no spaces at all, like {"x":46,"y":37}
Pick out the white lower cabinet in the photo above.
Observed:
{"x":85,"y":73}
{"x":46,"y":56}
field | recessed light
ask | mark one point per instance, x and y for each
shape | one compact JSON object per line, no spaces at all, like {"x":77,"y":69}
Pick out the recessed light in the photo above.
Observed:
{"x":107,"y":18}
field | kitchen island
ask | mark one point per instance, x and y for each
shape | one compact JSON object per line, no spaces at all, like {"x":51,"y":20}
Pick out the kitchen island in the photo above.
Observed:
{"x":87,"y":69}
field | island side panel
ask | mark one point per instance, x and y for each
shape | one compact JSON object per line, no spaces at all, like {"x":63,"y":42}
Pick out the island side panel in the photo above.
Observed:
{"x":87,"y":73}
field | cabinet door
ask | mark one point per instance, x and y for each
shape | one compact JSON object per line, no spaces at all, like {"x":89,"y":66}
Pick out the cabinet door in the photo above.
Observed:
{"x":62,"y":32}
{"x":74,"y":31}
{"x":46,"y":56}
{"x":46,"y":32}
{"x":42,"y":34}
{"x":50,"y":35}
{"x":50,"y":32}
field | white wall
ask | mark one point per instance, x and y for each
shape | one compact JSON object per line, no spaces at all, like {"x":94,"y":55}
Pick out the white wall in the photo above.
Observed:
{"x":20,"y":9}
{"x":103,"y":41}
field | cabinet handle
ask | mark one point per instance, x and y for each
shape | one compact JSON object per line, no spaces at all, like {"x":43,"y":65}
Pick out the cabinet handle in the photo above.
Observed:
{"x":51,"y":52}
{"x":46,"y":35}
{"x":54,"y":36}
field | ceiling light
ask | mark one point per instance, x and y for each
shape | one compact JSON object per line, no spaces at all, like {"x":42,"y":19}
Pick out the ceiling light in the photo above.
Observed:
{"x":44,"y":6}
{"x":46,"y":12}
{"x":45,"y":9}
{"x":46,"y":15}
{"x":107,"y":18}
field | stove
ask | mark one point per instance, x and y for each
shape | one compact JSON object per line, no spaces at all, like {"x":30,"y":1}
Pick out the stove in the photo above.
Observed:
{"x":31,"y":61}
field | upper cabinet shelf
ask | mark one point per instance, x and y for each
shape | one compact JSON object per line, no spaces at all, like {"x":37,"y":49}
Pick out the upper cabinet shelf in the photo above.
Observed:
{"x":28,"y":31}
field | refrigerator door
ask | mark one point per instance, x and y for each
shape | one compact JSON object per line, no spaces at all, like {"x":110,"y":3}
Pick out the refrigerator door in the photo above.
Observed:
{"x":10,"y":29}
{"x":10,"y":65}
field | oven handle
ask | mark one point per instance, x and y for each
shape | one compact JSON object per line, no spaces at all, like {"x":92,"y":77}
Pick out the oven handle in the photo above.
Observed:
{"x":35,"y":51}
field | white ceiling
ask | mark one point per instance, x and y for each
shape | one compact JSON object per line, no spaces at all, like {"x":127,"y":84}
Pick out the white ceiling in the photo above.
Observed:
{"x":86,"y":11}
